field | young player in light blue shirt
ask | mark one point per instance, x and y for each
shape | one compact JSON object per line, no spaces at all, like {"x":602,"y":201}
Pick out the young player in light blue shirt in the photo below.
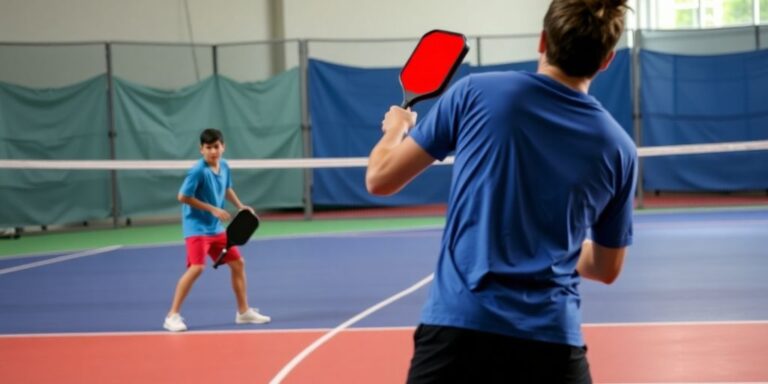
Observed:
{"x":207,"y":185}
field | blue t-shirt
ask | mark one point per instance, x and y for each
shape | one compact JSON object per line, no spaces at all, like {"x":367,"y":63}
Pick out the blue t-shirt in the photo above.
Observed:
{"x":537,"y":165}
{"x":205,"y":185}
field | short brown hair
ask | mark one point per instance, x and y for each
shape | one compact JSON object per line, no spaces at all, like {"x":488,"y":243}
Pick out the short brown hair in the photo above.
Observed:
{"x":581,"y":33}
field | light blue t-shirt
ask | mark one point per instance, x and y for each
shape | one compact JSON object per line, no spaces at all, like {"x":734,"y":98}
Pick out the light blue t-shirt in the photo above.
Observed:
{"x":205,"y":185}
{"x":537,"y":165}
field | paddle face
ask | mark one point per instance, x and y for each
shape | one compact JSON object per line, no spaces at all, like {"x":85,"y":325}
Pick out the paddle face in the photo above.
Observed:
{"x":431,"y":65}
{"x":241,"y":228}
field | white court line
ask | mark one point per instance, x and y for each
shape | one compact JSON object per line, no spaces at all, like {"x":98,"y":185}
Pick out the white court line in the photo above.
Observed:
{"x":308,"y":235}
{"x":684,"y":382}
{"x":698,"y":223}
{"x":676,"y":323}
{"x":204,"y":333}
{"x":364,"y":329}
{"x":429,"y":227}
{"x":303,"y":354}
{"x":59,"y":259}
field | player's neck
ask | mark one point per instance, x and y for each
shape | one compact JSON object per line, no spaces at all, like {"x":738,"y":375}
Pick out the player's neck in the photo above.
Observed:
{"x":580,"y":84}
{"x":214,"y":165}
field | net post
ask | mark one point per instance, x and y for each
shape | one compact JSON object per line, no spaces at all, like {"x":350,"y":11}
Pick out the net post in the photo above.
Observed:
{"x":112,"y":134}
{"x":636,"y":114}
{"x":305,"y":128}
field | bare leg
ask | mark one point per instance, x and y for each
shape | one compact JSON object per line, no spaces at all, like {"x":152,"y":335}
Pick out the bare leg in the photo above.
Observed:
{"x":183,"y":287}
{"x":237,"y":268}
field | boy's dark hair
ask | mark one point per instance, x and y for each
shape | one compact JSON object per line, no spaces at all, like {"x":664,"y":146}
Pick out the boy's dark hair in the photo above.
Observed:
{"x":210,"y":136}
{"x":581,"y":33}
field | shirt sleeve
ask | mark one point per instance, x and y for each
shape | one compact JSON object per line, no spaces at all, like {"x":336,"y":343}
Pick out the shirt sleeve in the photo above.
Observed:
{"x":437,"y":132}
{"x":614,"y":225}
{"x":191,"y":182}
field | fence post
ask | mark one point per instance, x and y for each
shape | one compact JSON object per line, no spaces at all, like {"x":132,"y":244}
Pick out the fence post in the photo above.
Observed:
{"x":636,"y":114}
{"x":215,"y":55}
{"x":112,"y":133}
{"x":479,"y":55}
{"x":305,"y":128}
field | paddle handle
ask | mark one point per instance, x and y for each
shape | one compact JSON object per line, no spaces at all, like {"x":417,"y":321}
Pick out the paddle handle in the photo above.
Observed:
{"x":408,"y":99}
{"x":407,"y":103}
{"x":221,"y":257}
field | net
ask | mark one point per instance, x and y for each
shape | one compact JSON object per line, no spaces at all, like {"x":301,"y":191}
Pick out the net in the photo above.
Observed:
{"x":50,"y":192}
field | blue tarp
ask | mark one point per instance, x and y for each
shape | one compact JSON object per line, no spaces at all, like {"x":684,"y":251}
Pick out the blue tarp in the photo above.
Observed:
{"x":347,"y":105}
{"x":705,"y":99}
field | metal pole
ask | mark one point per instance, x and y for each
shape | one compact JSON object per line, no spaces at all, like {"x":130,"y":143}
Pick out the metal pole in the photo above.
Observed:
{"x":700,"y":15}
{"x":277,"y":32}
{"x":112,"y":133}
{"x":215,"y":54}
{"x":479,"y":56}
{"x":636,"y":113}
{"x":305,"y":128}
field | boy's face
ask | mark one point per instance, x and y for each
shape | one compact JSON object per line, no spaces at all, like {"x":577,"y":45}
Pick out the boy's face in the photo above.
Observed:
{"x":212,"y":152}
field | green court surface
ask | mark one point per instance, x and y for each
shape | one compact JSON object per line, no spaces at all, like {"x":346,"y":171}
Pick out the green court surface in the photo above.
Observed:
{"x":75,"y":240}
{"x":41,"y":243}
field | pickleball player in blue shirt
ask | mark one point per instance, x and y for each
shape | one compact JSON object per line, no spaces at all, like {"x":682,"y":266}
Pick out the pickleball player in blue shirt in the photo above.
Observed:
{"x":538,"y":164}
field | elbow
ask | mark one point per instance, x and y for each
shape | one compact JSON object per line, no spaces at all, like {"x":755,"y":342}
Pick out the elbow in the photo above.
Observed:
{"x":610,"y":279}
{"x":376,"y":184}
{"x":181,"y":198}
{"x":608,"y":263}
{"x":373,"y":188}
{"x":377,"y":187}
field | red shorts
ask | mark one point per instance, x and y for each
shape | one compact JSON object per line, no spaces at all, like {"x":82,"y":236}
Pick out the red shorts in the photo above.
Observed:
{"x":211,"y":245}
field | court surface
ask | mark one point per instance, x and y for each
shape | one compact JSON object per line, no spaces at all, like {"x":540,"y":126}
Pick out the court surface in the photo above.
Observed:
{"x":691,"y":306}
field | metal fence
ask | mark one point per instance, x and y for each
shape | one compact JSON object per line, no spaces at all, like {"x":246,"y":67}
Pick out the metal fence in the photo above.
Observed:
{"x":173,"y":66}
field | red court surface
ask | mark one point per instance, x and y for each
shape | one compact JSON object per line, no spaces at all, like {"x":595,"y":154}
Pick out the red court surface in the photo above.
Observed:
{"x":624,"y":353}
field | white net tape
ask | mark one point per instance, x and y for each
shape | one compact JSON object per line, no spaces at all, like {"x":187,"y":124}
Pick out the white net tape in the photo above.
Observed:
{"x":347,"y":162}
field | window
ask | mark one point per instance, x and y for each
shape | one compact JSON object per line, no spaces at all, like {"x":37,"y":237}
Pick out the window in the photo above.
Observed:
{"x":731,"y":12}
{"x":681,"y":14}
{"x":676,"y":14}
{"x":763,"y":11}
{"x":631,"y":16}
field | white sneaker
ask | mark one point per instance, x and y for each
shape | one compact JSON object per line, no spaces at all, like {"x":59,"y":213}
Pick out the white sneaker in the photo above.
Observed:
{"x":251,"y":316}
{"x":175,"y":323}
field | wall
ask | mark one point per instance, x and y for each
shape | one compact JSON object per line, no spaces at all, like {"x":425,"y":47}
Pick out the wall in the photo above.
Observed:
{"x":367,"y":19}
{"x":408,"y":18}
{"x":118,"y":20}
{"x":134,"y":20}
{"x":226,"y":21}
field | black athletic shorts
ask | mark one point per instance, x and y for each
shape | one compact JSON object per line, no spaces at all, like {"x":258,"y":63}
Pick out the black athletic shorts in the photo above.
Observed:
{"x":456,"y":355}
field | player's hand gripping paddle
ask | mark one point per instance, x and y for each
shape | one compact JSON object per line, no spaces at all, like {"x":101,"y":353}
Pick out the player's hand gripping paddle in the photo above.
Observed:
{"x":239,"y":231}
{"x":433,"y":62}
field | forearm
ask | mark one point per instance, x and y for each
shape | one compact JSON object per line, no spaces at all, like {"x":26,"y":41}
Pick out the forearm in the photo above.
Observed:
{"x":600,"y":263}
{"x":195,"y":203}
{"x":586,"y":264}
{"x":380,"y":159}
{"x":395,"y":160}
{"x":232,"y":198}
